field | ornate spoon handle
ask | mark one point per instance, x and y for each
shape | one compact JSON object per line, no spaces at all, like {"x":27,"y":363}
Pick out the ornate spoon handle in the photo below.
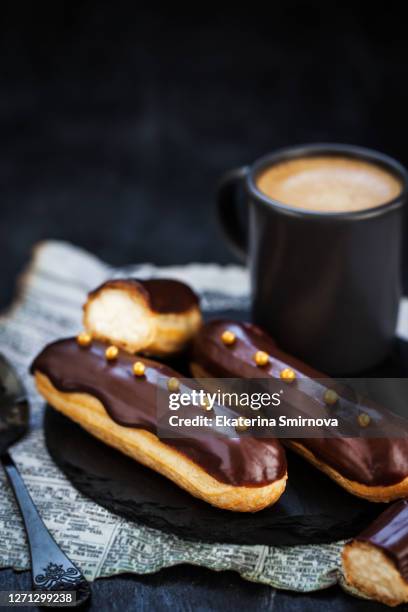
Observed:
{"x":51,"y":569}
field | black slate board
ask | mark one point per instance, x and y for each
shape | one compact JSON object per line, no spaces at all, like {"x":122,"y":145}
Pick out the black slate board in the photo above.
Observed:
{"x":312,"y":510}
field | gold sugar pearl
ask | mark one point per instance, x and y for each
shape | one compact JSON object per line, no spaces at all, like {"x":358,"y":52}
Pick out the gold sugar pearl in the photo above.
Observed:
{"x":111,"y":352}
{"x":84,"y":339}
{"x":173,"y":384}
{"x":242,"y":426}
{"x":287,"y":375}
{"x":363,"y":419}
{"x":330,"y":397}
{"x":206,"y":405}
{"x":138,"y":368}
{"x":261,"y":358}
{"x":228,"y":337}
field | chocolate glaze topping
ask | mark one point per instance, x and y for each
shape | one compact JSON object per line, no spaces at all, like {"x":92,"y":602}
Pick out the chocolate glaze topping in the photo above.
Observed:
{"x":132,"y":402}
{"x":390,"y":533}
{"x":163,"y":295}
{"x":371,"y":461}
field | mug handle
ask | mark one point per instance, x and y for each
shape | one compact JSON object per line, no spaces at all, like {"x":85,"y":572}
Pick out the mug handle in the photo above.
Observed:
{"x":228,"y":196}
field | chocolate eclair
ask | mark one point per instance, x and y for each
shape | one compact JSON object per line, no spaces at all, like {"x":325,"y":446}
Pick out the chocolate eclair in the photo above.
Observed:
{"x":156,"y":316}
{"x":375,"y":468}
{"x":112,"y":396}
{"x":376,"y":561}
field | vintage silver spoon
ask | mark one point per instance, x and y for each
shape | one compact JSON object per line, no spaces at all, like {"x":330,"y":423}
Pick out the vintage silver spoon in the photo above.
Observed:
{"x":51,"y":569}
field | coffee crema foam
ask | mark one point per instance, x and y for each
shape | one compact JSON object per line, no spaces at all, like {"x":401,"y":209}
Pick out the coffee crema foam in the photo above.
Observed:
{"x":329,"y":184}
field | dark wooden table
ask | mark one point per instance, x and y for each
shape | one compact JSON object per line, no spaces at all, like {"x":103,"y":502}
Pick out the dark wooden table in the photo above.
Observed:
{"x":186,"y":588}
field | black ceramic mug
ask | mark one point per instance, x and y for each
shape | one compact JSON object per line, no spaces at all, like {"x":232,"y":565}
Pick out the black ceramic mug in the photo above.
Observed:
{"x":325,"y":285}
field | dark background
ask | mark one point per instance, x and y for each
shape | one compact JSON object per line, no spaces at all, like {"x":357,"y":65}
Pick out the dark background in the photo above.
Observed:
{"x":116,"y":121}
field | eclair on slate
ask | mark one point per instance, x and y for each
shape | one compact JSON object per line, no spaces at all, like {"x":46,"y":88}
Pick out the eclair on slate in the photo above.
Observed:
{"x":156,"y":317}
{"x":374,"y":467}
{"x":115,"y":400}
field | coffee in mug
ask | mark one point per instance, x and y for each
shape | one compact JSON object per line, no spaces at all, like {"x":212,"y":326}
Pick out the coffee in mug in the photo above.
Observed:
{"x":329,"y":184}
{"x":323,"y":245}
